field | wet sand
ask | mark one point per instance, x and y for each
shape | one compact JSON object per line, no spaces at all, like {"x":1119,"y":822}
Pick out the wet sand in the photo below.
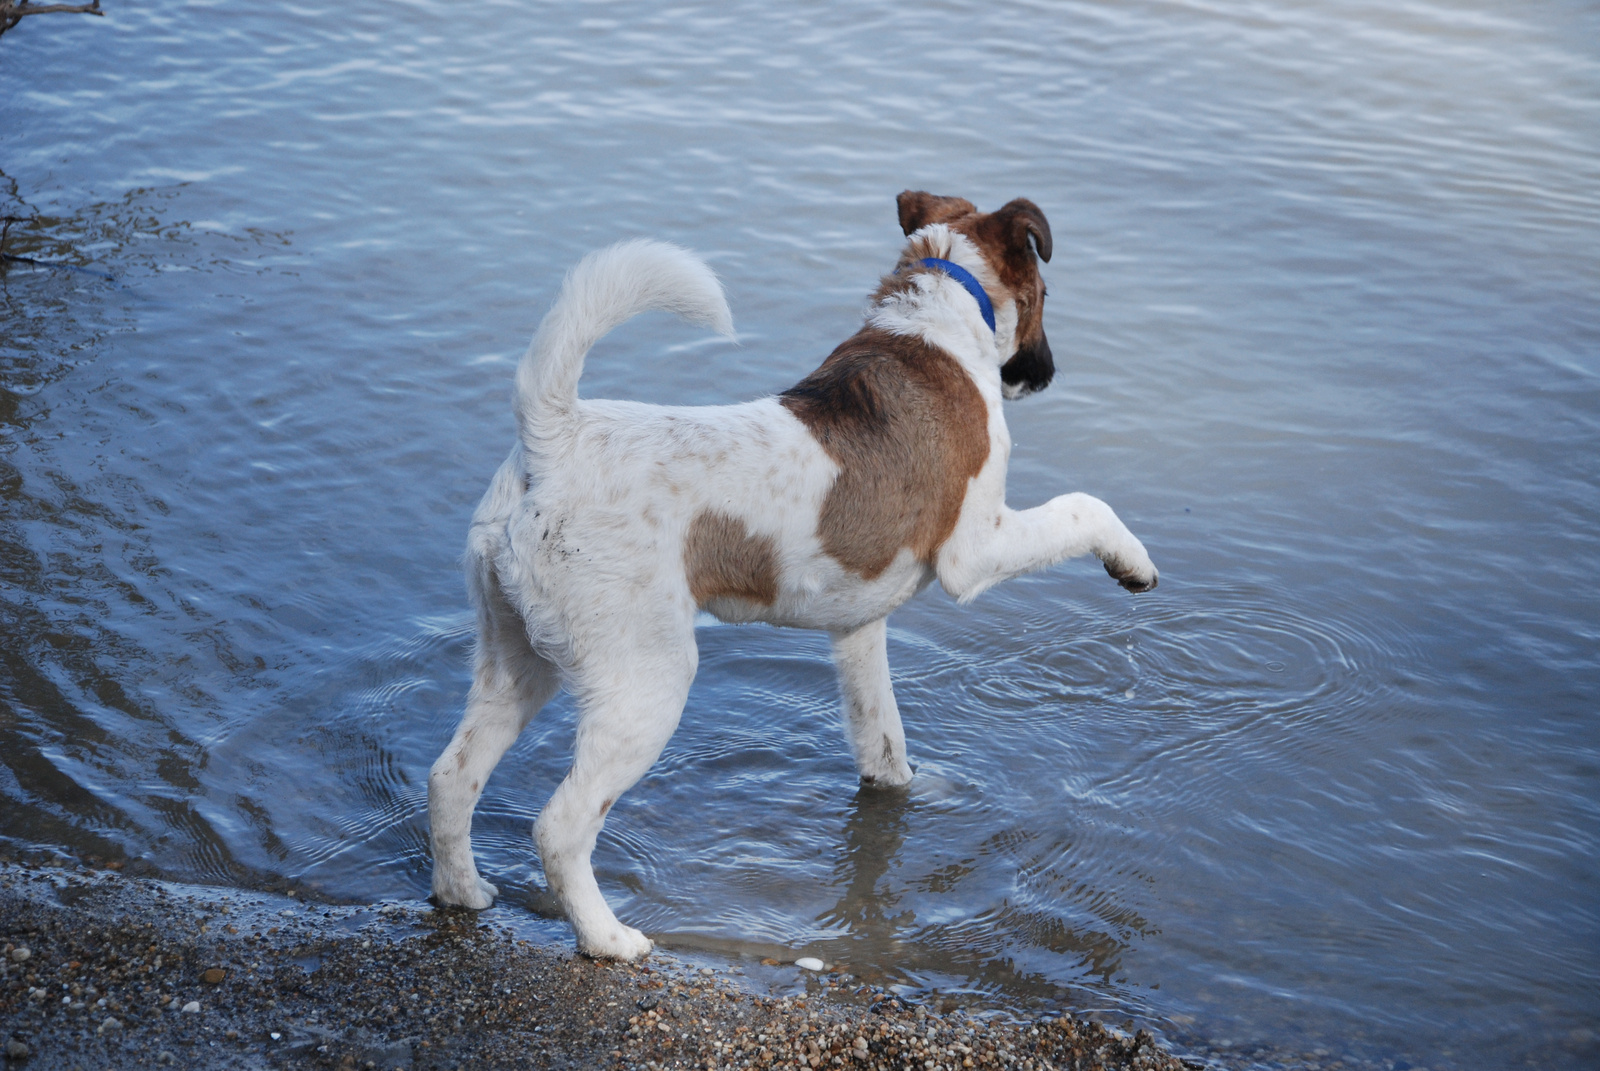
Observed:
{"x":106,"y":971}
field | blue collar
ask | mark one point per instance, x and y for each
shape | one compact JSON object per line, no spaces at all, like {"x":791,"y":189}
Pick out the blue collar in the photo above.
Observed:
{"x":967,"y":280}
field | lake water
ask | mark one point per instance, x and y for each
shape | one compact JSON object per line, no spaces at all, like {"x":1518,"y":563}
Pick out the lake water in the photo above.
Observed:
{"x":1324,"y":304}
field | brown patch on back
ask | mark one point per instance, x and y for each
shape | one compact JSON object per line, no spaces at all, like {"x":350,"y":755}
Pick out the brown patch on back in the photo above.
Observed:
{"x":907,"y":428}
{"x":723,"y":560}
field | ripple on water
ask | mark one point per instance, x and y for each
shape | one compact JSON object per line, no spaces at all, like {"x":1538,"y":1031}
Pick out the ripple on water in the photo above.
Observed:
{"x":974,"y":879}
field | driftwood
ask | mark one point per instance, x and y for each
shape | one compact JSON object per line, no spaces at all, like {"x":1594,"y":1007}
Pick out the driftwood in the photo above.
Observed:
{"x":13,"y":11}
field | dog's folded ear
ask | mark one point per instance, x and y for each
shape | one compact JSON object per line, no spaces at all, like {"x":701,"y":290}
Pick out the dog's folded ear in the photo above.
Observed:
{"x":919,"y":208}
{"x":1022,"y":218}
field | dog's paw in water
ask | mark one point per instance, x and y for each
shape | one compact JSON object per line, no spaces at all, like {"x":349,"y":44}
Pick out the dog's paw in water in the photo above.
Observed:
{"x":617,"y":942}
{"x":472,"y":892}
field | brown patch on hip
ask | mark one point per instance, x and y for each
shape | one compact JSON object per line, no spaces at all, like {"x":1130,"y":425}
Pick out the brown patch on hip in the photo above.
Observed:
{"x":908,"y":429}
{"x":723,"y":560}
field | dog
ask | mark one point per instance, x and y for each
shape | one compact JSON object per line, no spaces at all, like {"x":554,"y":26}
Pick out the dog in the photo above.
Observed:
{"x":612,"y":523}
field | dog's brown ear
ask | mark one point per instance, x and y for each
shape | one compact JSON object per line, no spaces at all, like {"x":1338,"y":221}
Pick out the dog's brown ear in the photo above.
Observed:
{"x":1022,"y":218}
{"x":919,"y":208}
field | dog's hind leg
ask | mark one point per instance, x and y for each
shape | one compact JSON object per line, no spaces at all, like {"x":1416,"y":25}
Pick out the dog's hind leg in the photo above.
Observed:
{"x":871,"y":718}
{"x":626,"y":717}
{"x":510,"y":683}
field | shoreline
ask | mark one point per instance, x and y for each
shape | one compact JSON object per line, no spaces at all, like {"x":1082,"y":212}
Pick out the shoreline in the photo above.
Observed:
{"x":106,"y":971}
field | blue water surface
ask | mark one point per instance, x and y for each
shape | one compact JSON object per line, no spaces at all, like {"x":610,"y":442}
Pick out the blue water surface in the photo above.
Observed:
{"x":1323,"y":301}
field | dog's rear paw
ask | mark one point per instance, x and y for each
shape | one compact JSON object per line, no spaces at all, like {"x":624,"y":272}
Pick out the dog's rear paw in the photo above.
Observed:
{"x":1135,"y":578}
{"x":473,"y":893}
{"x":618,"y":942}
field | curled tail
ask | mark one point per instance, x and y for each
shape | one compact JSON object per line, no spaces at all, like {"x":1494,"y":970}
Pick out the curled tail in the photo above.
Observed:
{"x":605,"y":288}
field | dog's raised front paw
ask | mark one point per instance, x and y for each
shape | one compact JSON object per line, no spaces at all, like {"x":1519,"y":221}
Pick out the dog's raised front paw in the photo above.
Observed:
{"x":618,"y":942}
{"x":469,"y":891}
{"x":1136,"y":578}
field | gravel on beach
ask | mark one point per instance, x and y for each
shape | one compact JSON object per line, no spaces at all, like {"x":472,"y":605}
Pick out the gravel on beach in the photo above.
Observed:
{"x":105,"y":971}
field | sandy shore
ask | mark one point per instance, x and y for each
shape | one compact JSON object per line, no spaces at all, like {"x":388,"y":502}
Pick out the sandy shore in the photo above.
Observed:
{"x":103,"y":971}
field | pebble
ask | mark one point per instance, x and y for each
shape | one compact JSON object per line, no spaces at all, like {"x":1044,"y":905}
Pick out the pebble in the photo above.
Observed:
{"x":808,"y":963}
{"x":193,"y":1007}
{"x":17,"y":1050}
{"x":213,"y":976}
{"x":21,"y":953}
{"x":110,"y":1024}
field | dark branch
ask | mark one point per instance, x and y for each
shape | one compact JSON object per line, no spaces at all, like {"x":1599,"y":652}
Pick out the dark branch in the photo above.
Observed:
{"x":12,"y":12}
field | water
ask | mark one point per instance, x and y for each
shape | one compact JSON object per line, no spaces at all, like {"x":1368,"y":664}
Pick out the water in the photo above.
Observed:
{"x":1324,"y":303}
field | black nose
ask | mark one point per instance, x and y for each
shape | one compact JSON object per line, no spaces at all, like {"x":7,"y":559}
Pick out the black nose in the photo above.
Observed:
{"x":1031,"y":368}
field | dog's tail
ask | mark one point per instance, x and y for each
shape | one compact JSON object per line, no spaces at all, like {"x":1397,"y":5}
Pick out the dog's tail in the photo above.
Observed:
{"x":607,"y":287}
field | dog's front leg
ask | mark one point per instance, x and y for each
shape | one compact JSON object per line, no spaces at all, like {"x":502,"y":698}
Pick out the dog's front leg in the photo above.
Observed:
{"x":871,"y":718}
{"x":986,"y":550}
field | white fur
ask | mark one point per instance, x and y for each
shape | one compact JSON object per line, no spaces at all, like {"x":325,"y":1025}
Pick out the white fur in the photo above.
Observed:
{"x":575,"y":560}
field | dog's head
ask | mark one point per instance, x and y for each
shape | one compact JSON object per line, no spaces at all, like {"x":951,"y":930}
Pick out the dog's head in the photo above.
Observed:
{"x":1003,"y":238}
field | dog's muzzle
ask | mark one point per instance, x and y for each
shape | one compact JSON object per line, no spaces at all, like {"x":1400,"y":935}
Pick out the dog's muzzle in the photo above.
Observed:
{"x":1030,"y":369}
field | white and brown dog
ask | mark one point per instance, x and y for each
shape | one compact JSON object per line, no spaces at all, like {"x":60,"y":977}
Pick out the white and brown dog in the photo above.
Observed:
{"x":612,"y":523}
